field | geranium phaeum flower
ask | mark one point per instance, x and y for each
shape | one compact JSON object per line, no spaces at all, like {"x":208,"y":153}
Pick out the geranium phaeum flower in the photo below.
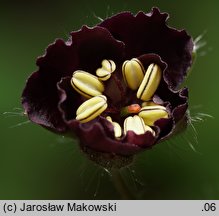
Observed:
{"x":115,"y":85}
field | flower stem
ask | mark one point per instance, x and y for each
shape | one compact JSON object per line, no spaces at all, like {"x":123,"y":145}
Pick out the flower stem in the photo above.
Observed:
{"x":120,"y":185}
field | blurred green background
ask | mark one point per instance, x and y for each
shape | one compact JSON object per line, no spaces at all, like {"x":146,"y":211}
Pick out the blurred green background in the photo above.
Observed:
{"x":36,"y":164}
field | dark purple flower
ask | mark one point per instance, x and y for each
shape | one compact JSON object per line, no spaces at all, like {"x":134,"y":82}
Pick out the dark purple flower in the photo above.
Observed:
{"x":50,"y":100}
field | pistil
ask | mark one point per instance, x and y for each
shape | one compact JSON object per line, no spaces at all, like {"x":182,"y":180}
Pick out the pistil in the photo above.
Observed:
{"x":131,"y":109}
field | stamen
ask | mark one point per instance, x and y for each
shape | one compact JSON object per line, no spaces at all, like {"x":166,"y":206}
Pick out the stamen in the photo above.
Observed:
{"x":137,"y":125}
{"x":86,"y":84}
{"x":108,"y":67}
{"x":91,"y":108}
{"x":150,"y":82}
{"x":150,"y":114}
{"x":133,"y":73}
{"x":117,"y":128}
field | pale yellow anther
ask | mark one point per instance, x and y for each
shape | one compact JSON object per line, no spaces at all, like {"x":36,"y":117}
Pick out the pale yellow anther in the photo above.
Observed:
{"x":86,"y":84}
{"x":117,"y":128}
{"x":150,"y":114}
{"x":137,"y":125}
{"x":109,"y":119}
{"x":108,"y":67}
{"x":150,"y":82}
{"x":133,"y":73}
{"x":91,"y":108}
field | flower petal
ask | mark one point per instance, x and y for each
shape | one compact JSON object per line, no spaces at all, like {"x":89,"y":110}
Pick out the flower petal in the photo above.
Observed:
{"x":149,"y":33}
{"x":179,"y":113}
{"x":40,"y":95}
{"x":42,"y":108}
{"x":95,"y":138}
{"x":69,"y":101}
{"x":144,"y":140}
{"x":94,"y":45}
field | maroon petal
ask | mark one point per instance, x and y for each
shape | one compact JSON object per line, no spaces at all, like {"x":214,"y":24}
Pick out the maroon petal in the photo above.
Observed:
{"x":171,"y":97}
{"x":179,"y":112}
{"x":69,"y":101}
{"x":95,"y":44}
{"x":149,"y":33}
{"x":40,"y":95}
{"x":147,"y":59}
{"x":99,"y":136}
{"x":42,"y":108}
{"x":96,"y":139}
{"x":144,"y":140}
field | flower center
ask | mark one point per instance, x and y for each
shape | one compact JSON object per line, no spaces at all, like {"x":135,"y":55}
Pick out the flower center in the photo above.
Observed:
{"x":137,"y":117}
